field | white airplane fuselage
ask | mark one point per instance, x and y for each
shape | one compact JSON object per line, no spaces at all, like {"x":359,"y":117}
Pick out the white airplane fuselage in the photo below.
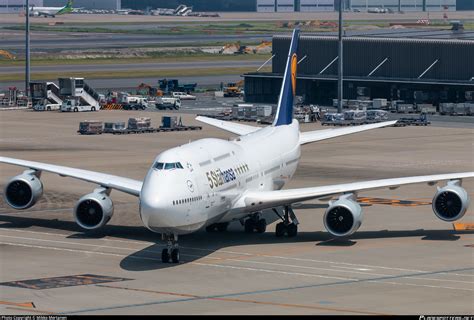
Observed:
{"x":215,"y":174}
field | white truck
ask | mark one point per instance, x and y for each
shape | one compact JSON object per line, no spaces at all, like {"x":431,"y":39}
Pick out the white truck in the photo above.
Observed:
{"x":45,"y":106}
{"x":73,"y":105}
{"x":183,"y":96}
{"x":163,"y":103}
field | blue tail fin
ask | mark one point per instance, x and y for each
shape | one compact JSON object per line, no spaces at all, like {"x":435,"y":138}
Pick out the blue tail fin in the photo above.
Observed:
{"x":284,"y":114}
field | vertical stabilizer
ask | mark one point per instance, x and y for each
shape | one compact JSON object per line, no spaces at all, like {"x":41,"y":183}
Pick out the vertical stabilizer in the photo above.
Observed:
{"x":284,"y":114}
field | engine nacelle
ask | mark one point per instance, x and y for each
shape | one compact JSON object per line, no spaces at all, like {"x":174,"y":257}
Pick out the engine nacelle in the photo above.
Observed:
{"x":343,"y":217}
{"x":23,"y":191}
{"x":450,"y":203}
{"x":94,"y":210}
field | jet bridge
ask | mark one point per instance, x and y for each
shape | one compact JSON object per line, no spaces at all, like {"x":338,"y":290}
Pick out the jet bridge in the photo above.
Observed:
{"x":78,"y":89}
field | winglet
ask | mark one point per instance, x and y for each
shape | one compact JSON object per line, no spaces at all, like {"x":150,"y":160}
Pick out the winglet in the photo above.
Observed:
{"x":284,"y":114}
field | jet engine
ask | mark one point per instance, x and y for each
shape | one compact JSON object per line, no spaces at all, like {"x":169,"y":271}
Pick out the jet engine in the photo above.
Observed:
{"x":343,"y":217}
{"x":23,"y":191}
{"x":450,"y":203}
{"x":94,"y":210}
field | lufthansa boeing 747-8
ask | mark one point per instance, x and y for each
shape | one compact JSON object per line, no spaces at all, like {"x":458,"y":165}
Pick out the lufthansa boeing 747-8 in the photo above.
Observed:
{"x":211,"y":182}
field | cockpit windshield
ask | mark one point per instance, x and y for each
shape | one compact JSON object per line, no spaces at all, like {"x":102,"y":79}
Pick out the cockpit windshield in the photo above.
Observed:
{"x":167,"y":166}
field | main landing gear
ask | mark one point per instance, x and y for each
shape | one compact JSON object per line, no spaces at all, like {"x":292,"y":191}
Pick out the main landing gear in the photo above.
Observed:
{"x":255,"y":224}
{"x":289,"y":224}
{"x":171,"y":253}
{"x":221,"y":227}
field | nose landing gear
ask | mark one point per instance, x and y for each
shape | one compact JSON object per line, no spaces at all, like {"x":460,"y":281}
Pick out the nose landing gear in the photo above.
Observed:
{"x":171,"y":253}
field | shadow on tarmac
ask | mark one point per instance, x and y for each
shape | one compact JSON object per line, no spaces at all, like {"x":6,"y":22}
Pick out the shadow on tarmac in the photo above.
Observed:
{"x":201,"y":244}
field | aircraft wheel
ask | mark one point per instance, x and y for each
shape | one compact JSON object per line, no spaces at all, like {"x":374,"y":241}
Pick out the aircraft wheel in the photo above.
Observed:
{"x":165,"y":256}
{"x":280,"y":229}
{"x":222,"y":227}
{"x":292,"y":230}
{"x":175,"y":255}
{"x":249,"y":226}
{"x":261,"y":226}
{"x":211,"y":228}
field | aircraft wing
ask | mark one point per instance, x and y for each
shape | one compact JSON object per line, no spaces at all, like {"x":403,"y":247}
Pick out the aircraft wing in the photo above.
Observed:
{"x":126,"y":185}
{"x":237,"y":128}
{"x":269,"y":199}
{"x":318,"y":135}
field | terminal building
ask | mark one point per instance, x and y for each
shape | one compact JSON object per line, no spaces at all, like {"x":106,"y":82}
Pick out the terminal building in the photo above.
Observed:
{"x":415,"y":70}
{"x":362,"y":5}
{"x":87,"y":4}
{"x":17,"y":6}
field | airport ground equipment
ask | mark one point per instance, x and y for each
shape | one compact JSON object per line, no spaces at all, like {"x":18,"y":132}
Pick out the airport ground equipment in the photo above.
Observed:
{"x":164,"y":103}
{"x":79,"y":95}
{"x":183,"y":96}
{"x":170,"y":85}
{"x":233,"y":89}
{"x":114,"y":127}
{"x":6,"y":54}
{"x":74,"y":105}
{"x":91,"y":127}
{"x":45,"y":96}
{"x":147,"y":90}
{"x":421,"y":121}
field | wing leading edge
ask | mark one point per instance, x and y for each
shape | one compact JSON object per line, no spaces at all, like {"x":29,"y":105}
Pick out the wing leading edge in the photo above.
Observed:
{"x":319,"y":135}
{"x":126,"y":185}
{"x":237,"y":128}
{"x":269,"y":199}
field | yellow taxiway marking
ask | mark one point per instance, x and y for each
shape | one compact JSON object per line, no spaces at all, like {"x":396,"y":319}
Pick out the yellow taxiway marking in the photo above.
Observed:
{"x":458,"y":226}
{"x":19,"y":304}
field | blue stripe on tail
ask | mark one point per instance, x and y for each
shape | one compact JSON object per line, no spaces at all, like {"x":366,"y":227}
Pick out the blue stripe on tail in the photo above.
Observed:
{"x":284,"y":114}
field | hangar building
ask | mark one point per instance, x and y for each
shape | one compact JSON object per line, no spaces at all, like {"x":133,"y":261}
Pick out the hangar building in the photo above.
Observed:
{"x":421,"y":70}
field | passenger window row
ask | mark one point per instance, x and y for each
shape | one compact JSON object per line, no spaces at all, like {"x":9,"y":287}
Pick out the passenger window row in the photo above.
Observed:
{"x":242,"y":169}
{"x":188,"y":200}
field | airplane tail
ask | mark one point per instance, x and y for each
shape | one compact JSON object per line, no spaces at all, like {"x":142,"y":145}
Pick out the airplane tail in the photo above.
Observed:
{"x":67,"y":8}
{"x":284,"y":114}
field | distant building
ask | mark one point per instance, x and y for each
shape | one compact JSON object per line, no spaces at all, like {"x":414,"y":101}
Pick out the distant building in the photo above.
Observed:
{"x":316,"y":5}
{"x":198,"y":5}
{"x":87,"y":4}
{"x":266,"y":5}
{"x":464,"y":5}
{"x":405,"y":5}
{"x":285,"y":5}
{"x":17,"y":6}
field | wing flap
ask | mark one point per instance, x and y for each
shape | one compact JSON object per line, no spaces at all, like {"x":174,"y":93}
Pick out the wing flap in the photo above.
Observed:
{"x":126,"y":185}
{"x":269,"y":199}
{"x":319,"y":135}
{"x":237,"y":128}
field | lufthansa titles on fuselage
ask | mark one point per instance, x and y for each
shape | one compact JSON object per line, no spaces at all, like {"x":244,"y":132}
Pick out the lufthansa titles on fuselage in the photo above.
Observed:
{"x":218,"y":177}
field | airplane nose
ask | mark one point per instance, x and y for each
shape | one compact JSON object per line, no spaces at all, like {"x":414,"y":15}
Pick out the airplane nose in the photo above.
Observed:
{"x":155,"y":211}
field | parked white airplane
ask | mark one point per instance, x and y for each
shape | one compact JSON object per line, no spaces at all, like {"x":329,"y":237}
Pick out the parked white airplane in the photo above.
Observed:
{"x":51,"y":11}
{"x":211,"y":182}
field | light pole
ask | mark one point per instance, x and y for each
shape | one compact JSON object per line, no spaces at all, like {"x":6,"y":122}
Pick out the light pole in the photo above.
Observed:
{"x":341,"y":64}
{"x":27,"y":51}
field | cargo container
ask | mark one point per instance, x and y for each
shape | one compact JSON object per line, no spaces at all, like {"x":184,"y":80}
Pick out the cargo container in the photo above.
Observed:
{"x":89,"y":127}
{"x":446,"y":108}
{"x":355,"y":115}
{"x":139,"y":123}
{"x":113,"y":127}
{"x":426,"y":108}
{"x":169,"y":122}
{"x":379,"y":104}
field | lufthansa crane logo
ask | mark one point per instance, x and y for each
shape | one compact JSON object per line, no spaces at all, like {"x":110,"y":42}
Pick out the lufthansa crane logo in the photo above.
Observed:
{"x":294,"y":66}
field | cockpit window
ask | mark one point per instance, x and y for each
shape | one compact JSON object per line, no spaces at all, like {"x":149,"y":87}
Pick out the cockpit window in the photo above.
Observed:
{"x":167,"y":166}
{"x":159,"y":165}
